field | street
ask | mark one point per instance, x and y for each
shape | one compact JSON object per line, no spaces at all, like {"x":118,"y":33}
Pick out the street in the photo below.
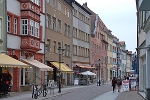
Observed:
{"x":86,"y":93}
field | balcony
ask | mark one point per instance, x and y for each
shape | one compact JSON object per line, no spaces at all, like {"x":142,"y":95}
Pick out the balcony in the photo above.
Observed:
{"x":29,"y":43}
{"x":144,"y":5}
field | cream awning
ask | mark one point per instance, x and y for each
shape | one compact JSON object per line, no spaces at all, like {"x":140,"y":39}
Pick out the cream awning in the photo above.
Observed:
{"x":38,"y":64}
{"x":7,"y":61}
{"x":63,"y":67}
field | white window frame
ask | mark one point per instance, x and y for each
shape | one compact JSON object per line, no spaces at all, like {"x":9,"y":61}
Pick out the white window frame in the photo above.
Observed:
{"x":25,"y":24}
{"x":32,"y":28}
{"x":68,"y":13}
{"x":15,"y":25}
{"x":0,"y":28}
{"x":37,"y":2}
{"x":8,"y":23}
{"x":59,"y":6}
{"x":59,"y":25}
{"x":48,"y":1}
{"x":36,"y":29}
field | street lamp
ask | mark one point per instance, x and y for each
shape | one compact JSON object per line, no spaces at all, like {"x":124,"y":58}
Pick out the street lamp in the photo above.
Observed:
{"x":98,"y":70}
{"x":59,"y":49}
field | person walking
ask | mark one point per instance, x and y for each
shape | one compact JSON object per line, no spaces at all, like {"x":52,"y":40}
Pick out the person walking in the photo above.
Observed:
{"x":119,"y":83}
{"x":114,"y":83}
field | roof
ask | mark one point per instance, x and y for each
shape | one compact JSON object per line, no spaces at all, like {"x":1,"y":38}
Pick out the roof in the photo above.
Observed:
{"x":122,"y":42}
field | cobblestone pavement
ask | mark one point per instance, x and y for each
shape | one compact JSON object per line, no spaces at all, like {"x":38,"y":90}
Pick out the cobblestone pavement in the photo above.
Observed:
{"x":129,"y":95}
{"x":86,"y":93}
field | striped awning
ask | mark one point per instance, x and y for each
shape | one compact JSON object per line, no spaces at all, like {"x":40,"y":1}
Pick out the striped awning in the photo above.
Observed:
{"x":7,"y":61}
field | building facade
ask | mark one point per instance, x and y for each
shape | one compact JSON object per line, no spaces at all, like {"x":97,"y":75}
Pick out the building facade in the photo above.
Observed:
{"x":81,"y":37}
{"x":3,"y":34}
{"x":143,"y":42}
{"x":129,"y":62}
{"x":110,"y":55}
{"x":123,"y":58}
{"x":25,"y":40}
{"x":59,"y":21}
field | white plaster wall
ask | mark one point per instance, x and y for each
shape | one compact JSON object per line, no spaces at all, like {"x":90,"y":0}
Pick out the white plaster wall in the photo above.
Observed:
{"x":82,"y":59}
{"x":80,"y":43}
{"x":142,"y":37}
{"x":148,"y":38}
{"x":13,"y":42}
{"x":41,"y":47}
{"x":42,"y":19}
{"x":13,"y":6}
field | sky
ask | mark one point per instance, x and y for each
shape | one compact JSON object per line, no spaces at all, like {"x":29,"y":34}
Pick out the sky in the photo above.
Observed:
{"x":119,"y":16}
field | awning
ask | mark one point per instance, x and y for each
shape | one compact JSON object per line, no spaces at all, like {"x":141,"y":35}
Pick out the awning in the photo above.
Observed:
{"x":38,"y":64}
{"x":85,"y":66}
{"x":63,"y":67}
{"x":7,"y":61}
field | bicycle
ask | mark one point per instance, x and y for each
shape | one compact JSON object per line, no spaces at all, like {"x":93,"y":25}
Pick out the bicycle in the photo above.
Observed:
{"x":37,"y":92}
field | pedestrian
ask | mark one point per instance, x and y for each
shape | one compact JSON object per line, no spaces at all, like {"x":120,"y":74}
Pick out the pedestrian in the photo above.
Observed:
{"x":119,"y":83}
{"x":114,"y":83}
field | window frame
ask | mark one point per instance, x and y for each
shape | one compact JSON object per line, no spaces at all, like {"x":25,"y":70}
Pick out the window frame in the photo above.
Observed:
{"x":36,"y":30}
{"x":1,"y":22}
{"x":8,"y":23}
{"x":32,"y":25}
{"x":24,"y":25}
{"x":15,"y":25}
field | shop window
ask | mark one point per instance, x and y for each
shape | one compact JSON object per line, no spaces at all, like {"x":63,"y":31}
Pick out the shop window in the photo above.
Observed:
{"x":27,"y":76}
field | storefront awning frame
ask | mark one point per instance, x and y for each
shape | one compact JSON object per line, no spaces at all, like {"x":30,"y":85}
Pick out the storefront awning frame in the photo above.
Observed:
{"x":7,"y":61}
{"x":38,"y":64}
{"x":64,"y":68}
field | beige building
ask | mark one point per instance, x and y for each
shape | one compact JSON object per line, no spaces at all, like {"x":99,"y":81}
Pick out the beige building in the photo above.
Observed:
{"x":110,"y":54}
{"x":59,"y":35}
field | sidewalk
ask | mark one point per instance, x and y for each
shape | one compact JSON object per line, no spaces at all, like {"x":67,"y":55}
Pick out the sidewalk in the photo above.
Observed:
{"x":123,"y":95}
{"x":109,"y":96}
{"x":28,"y":94}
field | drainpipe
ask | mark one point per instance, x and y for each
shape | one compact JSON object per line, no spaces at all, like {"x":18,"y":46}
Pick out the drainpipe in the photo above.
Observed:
{"x":45,"y":72}
{"x":6,"y":25}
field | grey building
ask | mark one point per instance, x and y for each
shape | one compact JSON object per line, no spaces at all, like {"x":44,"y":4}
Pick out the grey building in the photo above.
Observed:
{"x":3,"y":26}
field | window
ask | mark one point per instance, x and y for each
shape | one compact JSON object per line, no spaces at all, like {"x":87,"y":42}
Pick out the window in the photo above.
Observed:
{"x":15,"y":26}
{"x":36,"y":29}
{"x":48,"y":20}
{"x":31,"y":27}
{"x":65,"y":11}
{"x":68,"y":50}
{"x":54,"y":46}
{"x":59,"y":44}
{"x":54,"y":3}
{"x":8,"y":23}
{"x":65,"y":29}
{"x":53,"y":23}
{"x":68,"y":30}
{"x":59,"y":6}
{"x":0,"y":28}
{"x":48,"y":1}
{"x":37,"y":2}
{"x":48,"y":45}
{"x":26,"y":76}
{"x":68,"y":13}
{"x":24,"y":26}
{"x":59,"y":25}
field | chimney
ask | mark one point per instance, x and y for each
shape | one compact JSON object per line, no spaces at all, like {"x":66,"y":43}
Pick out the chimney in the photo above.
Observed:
{"x":85,"y":3}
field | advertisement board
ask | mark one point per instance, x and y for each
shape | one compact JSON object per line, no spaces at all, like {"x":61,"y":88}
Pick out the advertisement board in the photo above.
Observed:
{"x":125,"y":85}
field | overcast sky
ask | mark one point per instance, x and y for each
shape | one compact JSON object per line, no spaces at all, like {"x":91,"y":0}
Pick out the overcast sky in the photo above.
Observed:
{"x":119,"y":16}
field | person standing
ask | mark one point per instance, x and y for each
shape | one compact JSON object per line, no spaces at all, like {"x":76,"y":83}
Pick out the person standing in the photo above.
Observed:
{"x":114,"y":83}
{"x":119,"y":83}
